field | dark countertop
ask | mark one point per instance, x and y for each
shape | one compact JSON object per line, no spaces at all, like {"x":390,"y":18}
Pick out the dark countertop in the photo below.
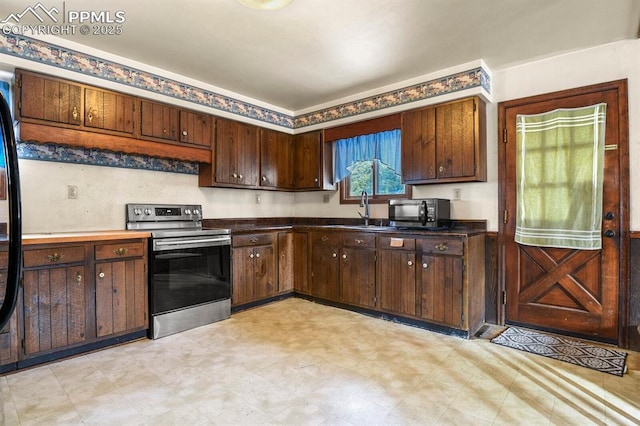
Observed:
{"x":463,"y":228}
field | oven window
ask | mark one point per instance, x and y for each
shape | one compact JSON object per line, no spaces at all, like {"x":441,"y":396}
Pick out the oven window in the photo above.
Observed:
{"x":188,"y":277}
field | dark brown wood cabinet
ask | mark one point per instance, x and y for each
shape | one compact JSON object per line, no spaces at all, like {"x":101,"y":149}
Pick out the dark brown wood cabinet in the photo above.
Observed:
{"x":324,"y":264}
{"x":445,"y":143}
{"x":276,"y":160}
{"x":195,"y":128}
{"x":255,"y":271}
{"x":397,"y":275}
{"x":236,"y":151}
{"x":110,"y":111}
{"x":53,"y":110}
{"x":286,"y":261}
{"x":54,"y":298}
{"x":159,"y":121}
{"x":121,"y":287}
{"x":8,"y":335}
{"x":48,"y":99}
{"x":307,"y":161}
{"x":358,"y":269}
{"x":441,"y":280}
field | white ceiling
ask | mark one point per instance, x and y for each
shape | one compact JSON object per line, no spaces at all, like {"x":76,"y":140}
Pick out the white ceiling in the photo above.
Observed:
{"x":316,"y":51}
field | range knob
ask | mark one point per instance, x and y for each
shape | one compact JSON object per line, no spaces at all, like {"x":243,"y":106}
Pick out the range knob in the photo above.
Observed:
{"x":147,"y":211}
{"x":196,"y":212}
{"x":187,"y":212}
{"x":137,"y":211}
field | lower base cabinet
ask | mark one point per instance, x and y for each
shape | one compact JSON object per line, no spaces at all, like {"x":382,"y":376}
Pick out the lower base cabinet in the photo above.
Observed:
{"x":121,"y":287}
{"x":255,"y":271}
{"x":8,"y":335}
{"x":76,"y":294}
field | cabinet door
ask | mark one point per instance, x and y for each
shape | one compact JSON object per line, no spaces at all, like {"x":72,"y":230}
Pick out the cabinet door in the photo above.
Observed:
{"x":159,"y":121}
{"x":265,"y":272}
{"x":307,"y":160}
{"x":54,"y":308}
{"x":275,"y":159}
{"x":8,"y":335}
{"x":456,"y":139}
{"x":195,"y":128}
{"x":300,"y":263}
{"x":49,"y":99}
{"x":441,"y":281}
{"x":419,"y":145}
{"x":286,"y":250}
{"x":325,"y":265}
{"x":242,"y":276}
{"x":397,"y":281}
{"x":121,"y":297}
{"x":236,"y":153}
{"x":357,"y":276}
{"x":108,"y":111}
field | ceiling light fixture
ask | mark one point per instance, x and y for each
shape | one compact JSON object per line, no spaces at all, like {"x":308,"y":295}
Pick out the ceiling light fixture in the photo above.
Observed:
{"x":265,"y":4}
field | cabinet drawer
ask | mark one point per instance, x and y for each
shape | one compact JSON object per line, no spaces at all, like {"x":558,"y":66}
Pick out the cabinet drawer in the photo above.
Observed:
{"x":4,"y":259}
{"x":397,"y":243}
{"x":252,"y":240}
{"x":442,"y":246}
{"x":359,"y":240}
{"x":119,"y":250}
{"x":53,"y":256}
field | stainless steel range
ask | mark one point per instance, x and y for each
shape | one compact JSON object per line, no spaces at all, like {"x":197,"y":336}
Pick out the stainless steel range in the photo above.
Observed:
{"x":189,"y":267}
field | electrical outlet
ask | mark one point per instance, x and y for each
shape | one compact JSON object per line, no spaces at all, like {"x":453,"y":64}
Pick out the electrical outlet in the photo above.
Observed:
{"x":72,"y":192}
{"x":326,"y":198}
{"x":258,"y":198}
{"x":457,"y":193}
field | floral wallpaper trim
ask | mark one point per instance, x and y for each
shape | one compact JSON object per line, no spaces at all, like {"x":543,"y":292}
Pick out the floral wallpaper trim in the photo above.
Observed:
{"x":73,"y":60}
{"x":477,"y":77}
{"x":97,"y":157}
{"x":69,"y":59}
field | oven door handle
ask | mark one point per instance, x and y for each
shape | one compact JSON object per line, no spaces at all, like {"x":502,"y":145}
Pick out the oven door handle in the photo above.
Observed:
{"x":202,"y":242}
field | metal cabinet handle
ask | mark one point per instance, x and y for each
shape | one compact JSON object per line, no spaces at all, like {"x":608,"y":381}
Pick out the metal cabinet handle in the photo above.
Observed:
{"x":253,"y":240}
{"x":251,"y":255}
{"x":609,"y":233}
{"x":344,"y":256}
{"x":610,"y":216}
{"x":78,"y":278}
{"x":101,"y":274}
{"x":324,"y":239}
{"x":54,"y":257}
{"x":359,"y":241}
{"x":410,"y":263}
{"x":74,"y":113}
{"x":257,"y":254}
{"x":120,"y":251}
{"x":425,"y":266}
{"x":240,"y":176}
{"x":442,"y":247}
{"x":235,"y":175}
{"x":441,"y":169}
{"x":185,"y":133}
{"x":335,"y":255}
{"x":264,"y":178}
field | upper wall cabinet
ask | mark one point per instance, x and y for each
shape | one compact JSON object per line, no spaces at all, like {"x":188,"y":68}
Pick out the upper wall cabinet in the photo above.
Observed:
{"x":195,"y":128}
{"x":159,"y":121}
{"x":307,"y":161}
{"x":50,"y":109}
{"x":48,"y":99}
{"x":276,"y":159}
{"x":235,"y":156}
{"x":445,"y":143}
{"x":109,"y":110}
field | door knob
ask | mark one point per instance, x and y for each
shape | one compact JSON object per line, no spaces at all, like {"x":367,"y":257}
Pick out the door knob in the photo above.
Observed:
{"x":609,"y":233}
{"x":609,"y":216}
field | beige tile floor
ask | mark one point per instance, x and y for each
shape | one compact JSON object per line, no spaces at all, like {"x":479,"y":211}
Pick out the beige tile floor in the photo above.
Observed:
{"x":296,"y":363}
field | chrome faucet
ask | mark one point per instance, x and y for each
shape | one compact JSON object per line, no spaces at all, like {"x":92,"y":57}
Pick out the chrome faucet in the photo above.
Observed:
{"x":364,"y":202}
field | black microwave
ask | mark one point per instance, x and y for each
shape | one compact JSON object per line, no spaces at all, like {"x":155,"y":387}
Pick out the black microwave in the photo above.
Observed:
{"x":424,"y":213}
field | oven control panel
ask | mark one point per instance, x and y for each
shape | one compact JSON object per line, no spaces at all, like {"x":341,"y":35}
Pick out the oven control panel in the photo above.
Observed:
{"x":163,"y":212}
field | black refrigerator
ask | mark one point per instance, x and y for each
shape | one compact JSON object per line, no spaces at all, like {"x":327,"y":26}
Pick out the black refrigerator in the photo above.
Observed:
{"x":14,"y":225}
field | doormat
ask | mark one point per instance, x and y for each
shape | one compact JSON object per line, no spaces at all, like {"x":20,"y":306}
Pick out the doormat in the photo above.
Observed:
{"x":564,"y":349}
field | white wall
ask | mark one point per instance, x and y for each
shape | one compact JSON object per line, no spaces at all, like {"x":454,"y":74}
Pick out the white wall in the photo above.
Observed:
{"x":104,"y":191}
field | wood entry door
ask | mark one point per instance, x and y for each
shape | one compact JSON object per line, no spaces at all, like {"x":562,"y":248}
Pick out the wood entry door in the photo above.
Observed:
{"x":574,"y":292}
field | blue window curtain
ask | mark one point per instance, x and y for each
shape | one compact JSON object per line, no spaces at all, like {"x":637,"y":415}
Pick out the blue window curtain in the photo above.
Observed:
{"x":383,"y":146}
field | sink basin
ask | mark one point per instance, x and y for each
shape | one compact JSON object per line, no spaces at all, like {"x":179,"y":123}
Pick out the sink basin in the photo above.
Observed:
{"x":368,"y":227}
